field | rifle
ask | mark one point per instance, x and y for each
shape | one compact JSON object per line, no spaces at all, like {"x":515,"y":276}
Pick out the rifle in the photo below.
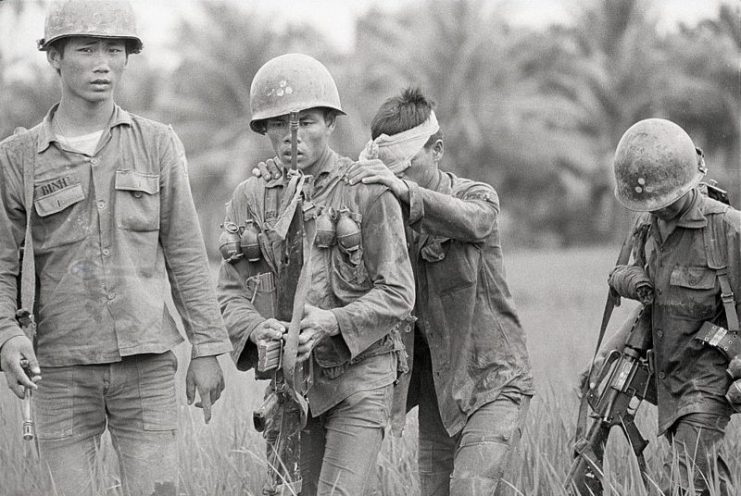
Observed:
{"x":284,"y":412}
{"x":28,"y":425}
{"x":622,"y":383}
{"x":26,"y":322}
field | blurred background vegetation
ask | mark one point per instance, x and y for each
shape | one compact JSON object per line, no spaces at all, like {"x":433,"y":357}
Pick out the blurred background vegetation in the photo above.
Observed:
{"x":536,"y":112}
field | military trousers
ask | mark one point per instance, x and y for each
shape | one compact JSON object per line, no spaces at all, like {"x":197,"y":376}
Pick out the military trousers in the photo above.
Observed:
{"x":696,"y":465}
{"x":133,"y":399}
{"x":473,"y":462}
{"x":339,"y":448}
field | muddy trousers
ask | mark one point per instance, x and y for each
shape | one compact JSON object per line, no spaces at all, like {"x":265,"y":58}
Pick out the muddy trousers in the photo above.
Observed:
{"x":339,"y":448}
{"x":473,"y":462}
{"x":695,"y":460}
{"x":135,"y":400}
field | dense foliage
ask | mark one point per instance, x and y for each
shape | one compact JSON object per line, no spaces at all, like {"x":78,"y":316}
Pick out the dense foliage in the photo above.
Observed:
{"x":536,"y":113}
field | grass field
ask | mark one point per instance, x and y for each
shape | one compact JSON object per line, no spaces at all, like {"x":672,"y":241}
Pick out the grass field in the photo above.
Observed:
{"x":560,"y":296}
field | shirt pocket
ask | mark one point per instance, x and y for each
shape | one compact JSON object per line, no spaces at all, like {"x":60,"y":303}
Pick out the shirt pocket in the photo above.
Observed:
{"x":693,"y":293}
{"x":61,"y":215}
{"x":349,"y":275}
{"x":455,"y":270}
{"x":137,"y":201}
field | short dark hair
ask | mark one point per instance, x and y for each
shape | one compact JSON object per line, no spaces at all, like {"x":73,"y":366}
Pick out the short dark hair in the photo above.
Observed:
{"x":405,"y":111}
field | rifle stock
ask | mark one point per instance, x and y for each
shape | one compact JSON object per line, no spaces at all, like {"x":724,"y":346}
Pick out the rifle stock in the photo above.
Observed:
{"x":623,"y":382}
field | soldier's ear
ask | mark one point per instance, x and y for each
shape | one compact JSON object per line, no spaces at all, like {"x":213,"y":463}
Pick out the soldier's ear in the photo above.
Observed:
{"x":53,"y":56}
{"x":438,"y":150}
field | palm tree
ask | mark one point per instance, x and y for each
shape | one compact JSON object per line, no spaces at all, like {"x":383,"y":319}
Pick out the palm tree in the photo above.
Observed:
{"x":479,"y":70}
{"x":706,"y":99}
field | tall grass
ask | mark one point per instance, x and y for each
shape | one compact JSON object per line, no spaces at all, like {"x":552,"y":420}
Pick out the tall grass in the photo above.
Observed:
{"x":560,"y":297}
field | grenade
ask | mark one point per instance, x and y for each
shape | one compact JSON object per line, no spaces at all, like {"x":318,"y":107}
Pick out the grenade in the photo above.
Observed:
{"x":229,"y":242}
{"x":348,"y":231}
{"x":248,"y":242}
{"x":325,"y":229}
{"x":734,"y":368}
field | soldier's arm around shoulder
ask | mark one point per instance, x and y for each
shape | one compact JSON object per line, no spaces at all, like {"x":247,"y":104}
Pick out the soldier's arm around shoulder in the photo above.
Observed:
{"x":469,"y":214}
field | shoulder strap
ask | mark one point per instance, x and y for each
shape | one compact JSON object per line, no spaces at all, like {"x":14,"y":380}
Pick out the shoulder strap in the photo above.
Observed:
{"x":716,"y":250}
{"x":28,"y":265}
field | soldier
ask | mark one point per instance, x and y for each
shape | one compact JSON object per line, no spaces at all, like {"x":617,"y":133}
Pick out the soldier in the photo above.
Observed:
{"x":471,"y":373}
{"x":111,"y":221}
{"x":689,"y":250}
{"x":361,"y":289}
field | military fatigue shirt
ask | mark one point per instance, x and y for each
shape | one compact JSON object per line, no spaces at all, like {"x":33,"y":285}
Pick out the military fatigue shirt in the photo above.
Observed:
{"x":691,"y":377}
{"x":370,"y":291}
{"x":464,"y":306}
{"x":109,"y":229}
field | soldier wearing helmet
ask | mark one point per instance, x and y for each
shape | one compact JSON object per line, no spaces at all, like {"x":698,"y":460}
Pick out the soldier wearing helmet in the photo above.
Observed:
{"x":361,"y":285}
{"x":104,"y":199}
{"x":689,"y":247}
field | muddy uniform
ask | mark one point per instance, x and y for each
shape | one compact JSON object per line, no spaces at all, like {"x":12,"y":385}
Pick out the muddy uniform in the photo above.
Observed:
{"x":691,"y":380}
{"x":109,"y":230}
{"x":471,"y":374}
{"x":369,"y":290}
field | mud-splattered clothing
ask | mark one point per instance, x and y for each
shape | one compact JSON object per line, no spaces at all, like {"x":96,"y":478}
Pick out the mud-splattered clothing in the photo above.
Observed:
{"x":370,"y":291}
{"x":464,"y":307}
{"x":691,"y":377}
{"x":109,"y":229}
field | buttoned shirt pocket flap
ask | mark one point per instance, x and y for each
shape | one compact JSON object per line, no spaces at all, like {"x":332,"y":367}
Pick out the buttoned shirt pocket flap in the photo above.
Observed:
{"x":127,"y":180}
{"x":137,"y":201}
{"x":58,"y":200}
{"x":693,"y":277}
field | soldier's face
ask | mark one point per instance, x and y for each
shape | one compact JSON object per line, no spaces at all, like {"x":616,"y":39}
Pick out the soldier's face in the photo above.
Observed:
{"x":423,"y":170}
{"x":313,"y":137}
{"x":90,"y":68}
{"x":674,"y":210}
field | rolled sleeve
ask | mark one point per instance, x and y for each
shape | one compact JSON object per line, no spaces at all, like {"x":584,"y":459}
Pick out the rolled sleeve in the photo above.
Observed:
{"x":185,"y":255}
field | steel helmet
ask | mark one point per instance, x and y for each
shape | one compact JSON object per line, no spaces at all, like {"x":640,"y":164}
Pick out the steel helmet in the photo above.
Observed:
{"x":96,"y":18}
{"x":291,"y":83}
{"x":655,"y":164}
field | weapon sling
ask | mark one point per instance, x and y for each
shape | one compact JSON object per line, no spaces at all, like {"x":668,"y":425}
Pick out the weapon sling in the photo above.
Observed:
{"x":612,"y":301}
{"x":582,"y":458}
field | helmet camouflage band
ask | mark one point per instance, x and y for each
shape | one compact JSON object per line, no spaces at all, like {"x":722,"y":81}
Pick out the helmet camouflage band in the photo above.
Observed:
{"x":94,"y":18}
{"x":291,"y":83}
{"x":655,"y":164}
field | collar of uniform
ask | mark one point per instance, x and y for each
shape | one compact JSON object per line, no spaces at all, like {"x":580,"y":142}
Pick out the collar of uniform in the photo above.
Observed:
{"x":47,"y":135}
{"x":444,"y":183}
{"x":694,"y":217}
{"x":324,"y":169}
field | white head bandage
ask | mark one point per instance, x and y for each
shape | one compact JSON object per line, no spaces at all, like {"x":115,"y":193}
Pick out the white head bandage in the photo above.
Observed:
{"x":398,"y":150}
